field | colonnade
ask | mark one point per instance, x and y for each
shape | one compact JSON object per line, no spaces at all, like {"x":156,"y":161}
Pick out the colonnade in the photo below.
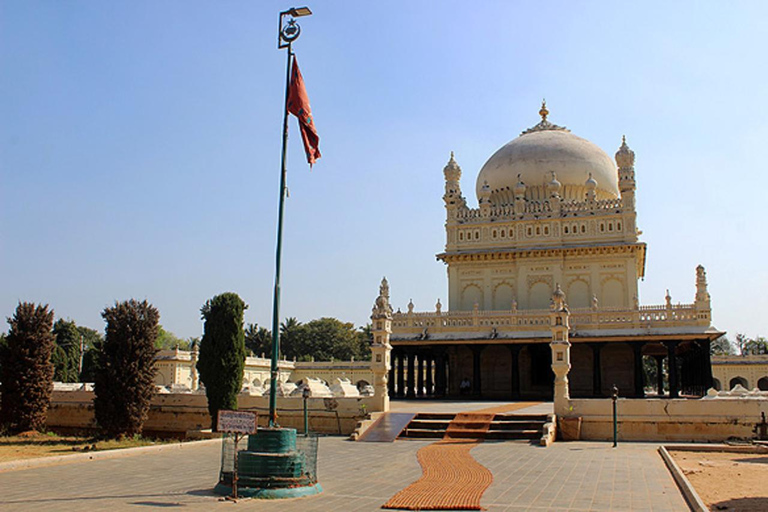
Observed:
{"x":423,"y":371}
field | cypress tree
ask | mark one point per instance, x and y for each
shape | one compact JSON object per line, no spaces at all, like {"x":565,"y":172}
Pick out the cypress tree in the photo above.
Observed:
{"x":66,"y":355}
{"x":222,"y":352}
{"x":26,"y":371}
{"x":125,"y":374}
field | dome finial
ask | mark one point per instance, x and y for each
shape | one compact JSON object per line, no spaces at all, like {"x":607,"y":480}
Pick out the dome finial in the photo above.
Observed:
{"x":544,"y":112}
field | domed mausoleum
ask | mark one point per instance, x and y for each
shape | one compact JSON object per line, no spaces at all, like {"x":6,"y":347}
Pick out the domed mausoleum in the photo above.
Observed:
{"x":554,"y":234}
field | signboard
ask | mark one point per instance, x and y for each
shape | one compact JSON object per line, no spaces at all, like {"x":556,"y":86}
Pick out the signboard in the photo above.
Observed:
{"x":238,"y":422}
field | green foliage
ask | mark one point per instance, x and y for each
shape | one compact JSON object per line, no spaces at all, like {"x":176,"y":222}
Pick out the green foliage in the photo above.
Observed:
{"x":26,"y":371}
{"x":66,"y":354}
{"x":291,"y":332}
{"x":721,"y":347}
{"x":222,"y":352}
{"x":327,"y":338}
{"x":124,"y":379}
{"x":751,"y":346}
{"x":365,"y":338}
{"x":258,"y":340}
{"x":92,"y":342}
{"x":166,"y":340}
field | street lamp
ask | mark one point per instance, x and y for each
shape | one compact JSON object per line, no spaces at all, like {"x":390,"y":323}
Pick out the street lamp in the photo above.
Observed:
{"x":287,"y":32}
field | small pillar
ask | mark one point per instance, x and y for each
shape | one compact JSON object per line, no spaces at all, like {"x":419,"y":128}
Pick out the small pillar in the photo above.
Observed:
{"x":381,"y":350}
{"x":561,"y":351}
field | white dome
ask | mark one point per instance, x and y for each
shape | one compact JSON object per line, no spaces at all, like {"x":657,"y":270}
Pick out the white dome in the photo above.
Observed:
{"x":538,"y":152}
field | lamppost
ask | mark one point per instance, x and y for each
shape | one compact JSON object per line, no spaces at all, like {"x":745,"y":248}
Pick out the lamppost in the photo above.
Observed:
{"x":287,"y":32}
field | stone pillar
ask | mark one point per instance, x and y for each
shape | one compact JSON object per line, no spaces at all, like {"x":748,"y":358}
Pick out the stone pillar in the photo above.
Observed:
{"x":597,"y":369}
{"x":514,"y":351}
{"x":400,"y":374}
{"x":409,"y":380}
{"x":420,"y":376}
{"x":430,"y":388}
{"x":659,"y":374}
{"x":674,"y":383}
{"x":637,"y":348}
{"x":381,"y":350}
{"x":561,"y":351}
{"x":477,"y":383}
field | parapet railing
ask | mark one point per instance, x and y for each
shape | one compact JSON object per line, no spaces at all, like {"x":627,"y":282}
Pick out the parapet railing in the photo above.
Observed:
{"x":539,"y":319}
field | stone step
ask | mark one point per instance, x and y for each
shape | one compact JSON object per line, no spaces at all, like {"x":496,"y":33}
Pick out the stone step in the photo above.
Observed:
{"x":513,"y":434}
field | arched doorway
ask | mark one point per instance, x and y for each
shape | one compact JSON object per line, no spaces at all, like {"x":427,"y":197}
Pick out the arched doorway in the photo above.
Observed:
{"x":738,"y":380}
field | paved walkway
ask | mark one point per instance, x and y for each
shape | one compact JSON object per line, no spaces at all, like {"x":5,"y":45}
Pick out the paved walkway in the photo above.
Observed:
{"x":358,"y":477}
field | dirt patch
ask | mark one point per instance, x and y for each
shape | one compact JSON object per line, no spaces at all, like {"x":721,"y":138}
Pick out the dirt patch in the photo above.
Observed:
{"x":30,"y":445}
{"x":727,"y":481}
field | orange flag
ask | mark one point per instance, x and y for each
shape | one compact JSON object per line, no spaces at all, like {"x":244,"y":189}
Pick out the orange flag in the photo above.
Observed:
{"x":298,"y":105}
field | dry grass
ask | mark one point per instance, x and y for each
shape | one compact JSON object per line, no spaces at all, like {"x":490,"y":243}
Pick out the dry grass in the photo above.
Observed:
{"x":30,"y":445}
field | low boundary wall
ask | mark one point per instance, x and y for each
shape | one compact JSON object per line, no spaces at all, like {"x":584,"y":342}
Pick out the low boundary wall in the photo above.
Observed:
{"x":677,"y":419}
{"x":177,"y":413}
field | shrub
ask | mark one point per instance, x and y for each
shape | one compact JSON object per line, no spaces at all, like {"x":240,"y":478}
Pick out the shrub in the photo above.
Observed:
{"x":26,"y":371}
{"x":222,"y":352}
{"x":125,"y":374}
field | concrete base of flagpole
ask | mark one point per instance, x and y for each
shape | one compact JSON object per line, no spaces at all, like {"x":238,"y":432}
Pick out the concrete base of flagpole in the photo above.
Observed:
{"x":272,"y":468}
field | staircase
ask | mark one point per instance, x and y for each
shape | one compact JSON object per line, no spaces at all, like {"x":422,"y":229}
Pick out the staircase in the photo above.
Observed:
{"x":503,"y":427}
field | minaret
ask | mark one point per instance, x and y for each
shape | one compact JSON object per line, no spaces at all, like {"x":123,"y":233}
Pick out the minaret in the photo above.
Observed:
{"x":484,"y":199}
{"x":591,"y":186}
{"x":519,"y":190}
{"x":702,"y":303}
{"x":381,"y":328}
{"x":561,"y":350}
{"x":553,"y":187}
{"x":625,"y":159}
{"x":453,"y":199}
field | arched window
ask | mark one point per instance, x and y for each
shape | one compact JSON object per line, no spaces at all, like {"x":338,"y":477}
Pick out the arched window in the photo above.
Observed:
{"x":762,"y":384}
{"x":738,"y":380}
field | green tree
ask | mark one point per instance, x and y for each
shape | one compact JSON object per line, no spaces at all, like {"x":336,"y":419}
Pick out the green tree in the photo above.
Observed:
{"x":222,"y":352}
{"x":290,"y":332}
{"x":721,"y":346}
{"x":751,"y":346}
{"x":125,"y":377}
{"x":166,"y":340}
{"x":92,"y":342}
{"x":327,"y":338}
{"x":26,"y":371}
{"x":365,"y":338}
{"x":66,"y":354}
{"x":756,"y":346}
{"x":258,"y":340}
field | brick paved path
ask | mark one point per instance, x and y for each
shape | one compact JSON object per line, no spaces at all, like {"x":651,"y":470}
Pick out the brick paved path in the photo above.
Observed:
{"x":357,"y":477}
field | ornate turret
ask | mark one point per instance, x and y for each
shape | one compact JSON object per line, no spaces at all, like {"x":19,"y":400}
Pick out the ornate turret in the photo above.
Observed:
{"x":381,"y":329}
{"x":519,"y":191}
{"x":484,"y":197}
{"x":625,"y":159}
{"x":591,"y":185}
{"x":453,"y":198}
{"x":561,"y":349}
{"x":702,"y":303}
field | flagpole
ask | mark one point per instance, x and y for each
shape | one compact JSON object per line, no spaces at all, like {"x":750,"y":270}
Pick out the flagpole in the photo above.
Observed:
{"x":286,"y":35}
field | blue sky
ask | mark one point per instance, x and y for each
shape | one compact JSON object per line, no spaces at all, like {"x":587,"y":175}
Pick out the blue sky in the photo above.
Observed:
{"x":140,"y":145}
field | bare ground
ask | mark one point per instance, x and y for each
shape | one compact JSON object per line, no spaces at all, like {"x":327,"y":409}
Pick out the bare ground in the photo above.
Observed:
{"x":727,"y":481}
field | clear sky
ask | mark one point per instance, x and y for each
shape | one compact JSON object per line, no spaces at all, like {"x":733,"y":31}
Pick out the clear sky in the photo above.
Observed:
{"x":140,"y":145}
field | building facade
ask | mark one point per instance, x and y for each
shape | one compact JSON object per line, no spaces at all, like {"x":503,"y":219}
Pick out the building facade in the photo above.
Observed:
{"x":554,"y":211}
